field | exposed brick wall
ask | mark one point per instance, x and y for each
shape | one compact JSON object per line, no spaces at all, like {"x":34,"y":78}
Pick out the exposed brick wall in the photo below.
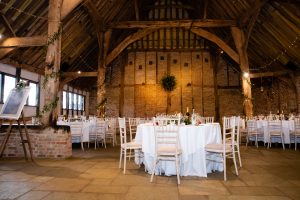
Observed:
{"x":45,"y":143}
{"x":133,"y":88}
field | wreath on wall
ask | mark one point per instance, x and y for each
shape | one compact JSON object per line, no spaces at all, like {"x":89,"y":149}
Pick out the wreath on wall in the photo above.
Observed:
{"x":168,"y":82}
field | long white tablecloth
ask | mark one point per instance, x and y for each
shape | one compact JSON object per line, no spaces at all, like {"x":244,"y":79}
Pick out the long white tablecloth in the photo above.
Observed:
{"x":192,"y":141}
{"x":287,"y":127}
{"x":87,"y":128}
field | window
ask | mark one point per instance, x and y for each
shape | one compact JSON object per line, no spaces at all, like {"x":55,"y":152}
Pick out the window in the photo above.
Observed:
{"x":64,"y":100}
{"x":75,"y":101}
{"x":9,"y":83}
{"x":33,"y":94}
{"x":70,"y":106}
{"x":75,"y":105}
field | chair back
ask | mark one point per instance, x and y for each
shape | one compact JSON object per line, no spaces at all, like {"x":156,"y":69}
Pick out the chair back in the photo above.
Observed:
{"x":237,"y":128}
{"x":166,"y":137}
{"x":297,"y":125}
{"x":228,"y":130}
{"x":133,"y":122}
{"x":76,"y":131}
{"x":252,"y":126}
{"x":112,"y":125}
{"x":101,"y":126}
{"x":122,"y":127}
{"x":163,"y":121}
{"x":274,"y":126}
{"x":208,"y":120}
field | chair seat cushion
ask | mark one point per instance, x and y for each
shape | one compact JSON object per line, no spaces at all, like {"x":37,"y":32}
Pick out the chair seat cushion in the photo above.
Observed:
{"x":132,"y":145}
{"x":168,"y":151}
{"x":218,"y":148}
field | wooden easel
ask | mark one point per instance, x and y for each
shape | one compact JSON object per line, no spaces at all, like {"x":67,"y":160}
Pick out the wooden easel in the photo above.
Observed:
{"x":24,"y":140}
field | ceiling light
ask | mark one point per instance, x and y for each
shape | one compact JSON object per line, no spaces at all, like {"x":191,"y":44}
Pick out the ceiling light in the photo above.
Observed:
{"x":79,"y":72}
{"x":0,"y":36}
{"x":222,"y":52}
{"x":246,"y":74}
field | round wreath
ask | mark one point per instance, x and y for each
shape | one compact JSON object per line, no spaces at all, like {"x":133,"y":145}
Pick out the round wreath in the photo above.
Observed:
{"x":168,"y":82}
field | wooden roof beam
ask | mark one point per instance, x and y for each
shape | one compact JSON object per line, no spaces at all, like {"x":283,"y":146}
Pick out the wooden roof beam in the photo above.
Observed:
{"x":208,"y":23}
{"x":79,"y":74}
{"x":266,"y":74}
{"x":127,"y":41}
{"x":218,"y":41}
{"x":258,"y":4}
{"x":23,"y":41}
{"x":68,"y":6}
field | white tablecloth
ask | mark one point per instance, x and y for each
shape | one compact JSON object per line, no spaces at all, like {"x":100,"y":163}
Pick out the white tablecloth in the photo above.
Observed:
{"x":192,"y":141}
{"x":287,"y":127}
{"x":87,"y":127}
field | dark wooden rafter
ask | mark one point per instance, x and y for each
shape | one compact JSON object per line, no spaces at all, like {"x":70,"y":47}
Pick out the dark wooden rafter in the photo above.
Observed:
{"x":205,"y":9}
{"x":200,"y":23}
{"x":67,"y":7}
{"x":127,"y":41}
{"x":244,"y":19}
{"x":23,"y":41}
{"x":7,"y":25}
{"x":79,"y":74}
{"x":266,"y":74}
{"x":136,"y":9}
{"x":253,"y":15}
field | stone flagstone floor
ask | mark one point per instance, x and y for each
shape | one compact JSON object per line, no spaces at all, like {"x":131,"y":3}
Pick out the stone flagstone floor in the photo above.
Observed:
{"x":94,"y":174}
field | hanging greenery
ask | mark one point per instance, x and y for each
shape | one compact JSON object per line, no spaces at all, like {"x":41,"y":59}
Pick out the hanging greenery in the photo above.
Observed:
{"x":55,"y":75}
{"x":168,"y":82}
{"x":56,"y":35}
{"x":48,"y":107}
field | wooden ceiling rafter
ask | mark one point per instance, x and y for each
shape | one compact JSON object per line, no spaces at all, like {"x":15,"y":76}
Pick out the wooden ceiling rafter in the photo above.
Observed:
{"x":200,"y":23}
{"x":23,"y":41}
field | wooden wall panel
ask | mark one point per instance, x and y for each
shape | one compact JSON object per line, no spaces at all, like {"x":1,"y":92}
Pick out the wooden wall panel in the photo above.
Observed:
{"x":208,"y":75}
{"x":186,"y":79}
{"x":161,"y":65}
{"x":150,"y":96}
{"x":150,"y":67}
{"x":197,"y":96}
{"x":140,"y":68}
{"x":129,"y":69}
{"x":209,"y":101}
{"x":128,"y":107}
{"x":197,"y":68}
{"x":139,"y":101}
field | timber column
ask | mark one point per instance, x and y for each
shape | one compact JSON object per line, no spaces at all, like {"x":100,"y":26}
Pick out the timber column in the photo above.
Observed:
{"x":239,"y":40}
{"x":53,"y":59}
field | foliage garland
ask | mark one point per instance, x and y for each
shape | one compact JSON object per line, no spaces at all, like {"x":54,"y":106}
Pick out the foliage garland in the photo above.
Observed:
{"x":168,"y":82}
{"x":56,"y":35}
{"x":49,"y":107}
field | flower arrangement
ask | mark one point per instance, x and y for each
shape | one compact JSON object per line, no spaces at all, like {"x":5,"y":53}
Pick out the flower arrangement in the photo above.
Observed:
{"x":21,"y":84}
{"x":168,"y":82}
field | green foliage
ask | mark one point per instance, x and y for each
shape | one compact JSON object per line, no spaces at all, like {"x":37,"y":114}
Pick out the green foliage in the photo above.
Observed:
{"x":48,"y":107}
{"x":168,"y":82}
{"x":52,"y":75}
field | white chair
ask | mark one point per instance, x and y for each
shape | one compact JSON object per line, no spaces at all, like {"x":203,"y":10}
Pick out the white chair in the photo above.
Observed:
{"x":167,"y":143}
{"x":275,"y":131}
{"x":111,"y":130}
{"x":126,"y":146}
{"x":166,"y":120}
{"x":226,"y":149}
{"x":101,"y":126}
{"x":237,"y":138}
{"x":208,"y":120}
{"x":76,"y":133}
{"x":296,"y":133}
{"x":133,"y":122}
{"x":253,"y":131}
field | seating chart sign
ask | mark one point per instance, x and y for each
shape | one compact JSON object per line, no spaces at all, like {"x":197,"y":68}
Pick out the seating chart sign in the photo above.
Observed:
{"x":14,"y":104}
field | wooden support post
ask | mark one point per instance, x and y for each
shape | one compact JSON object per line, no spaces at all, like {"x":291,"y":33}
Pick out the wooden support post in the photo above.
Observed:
{"x":239,"y":40}
{"x":53,"y":59}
